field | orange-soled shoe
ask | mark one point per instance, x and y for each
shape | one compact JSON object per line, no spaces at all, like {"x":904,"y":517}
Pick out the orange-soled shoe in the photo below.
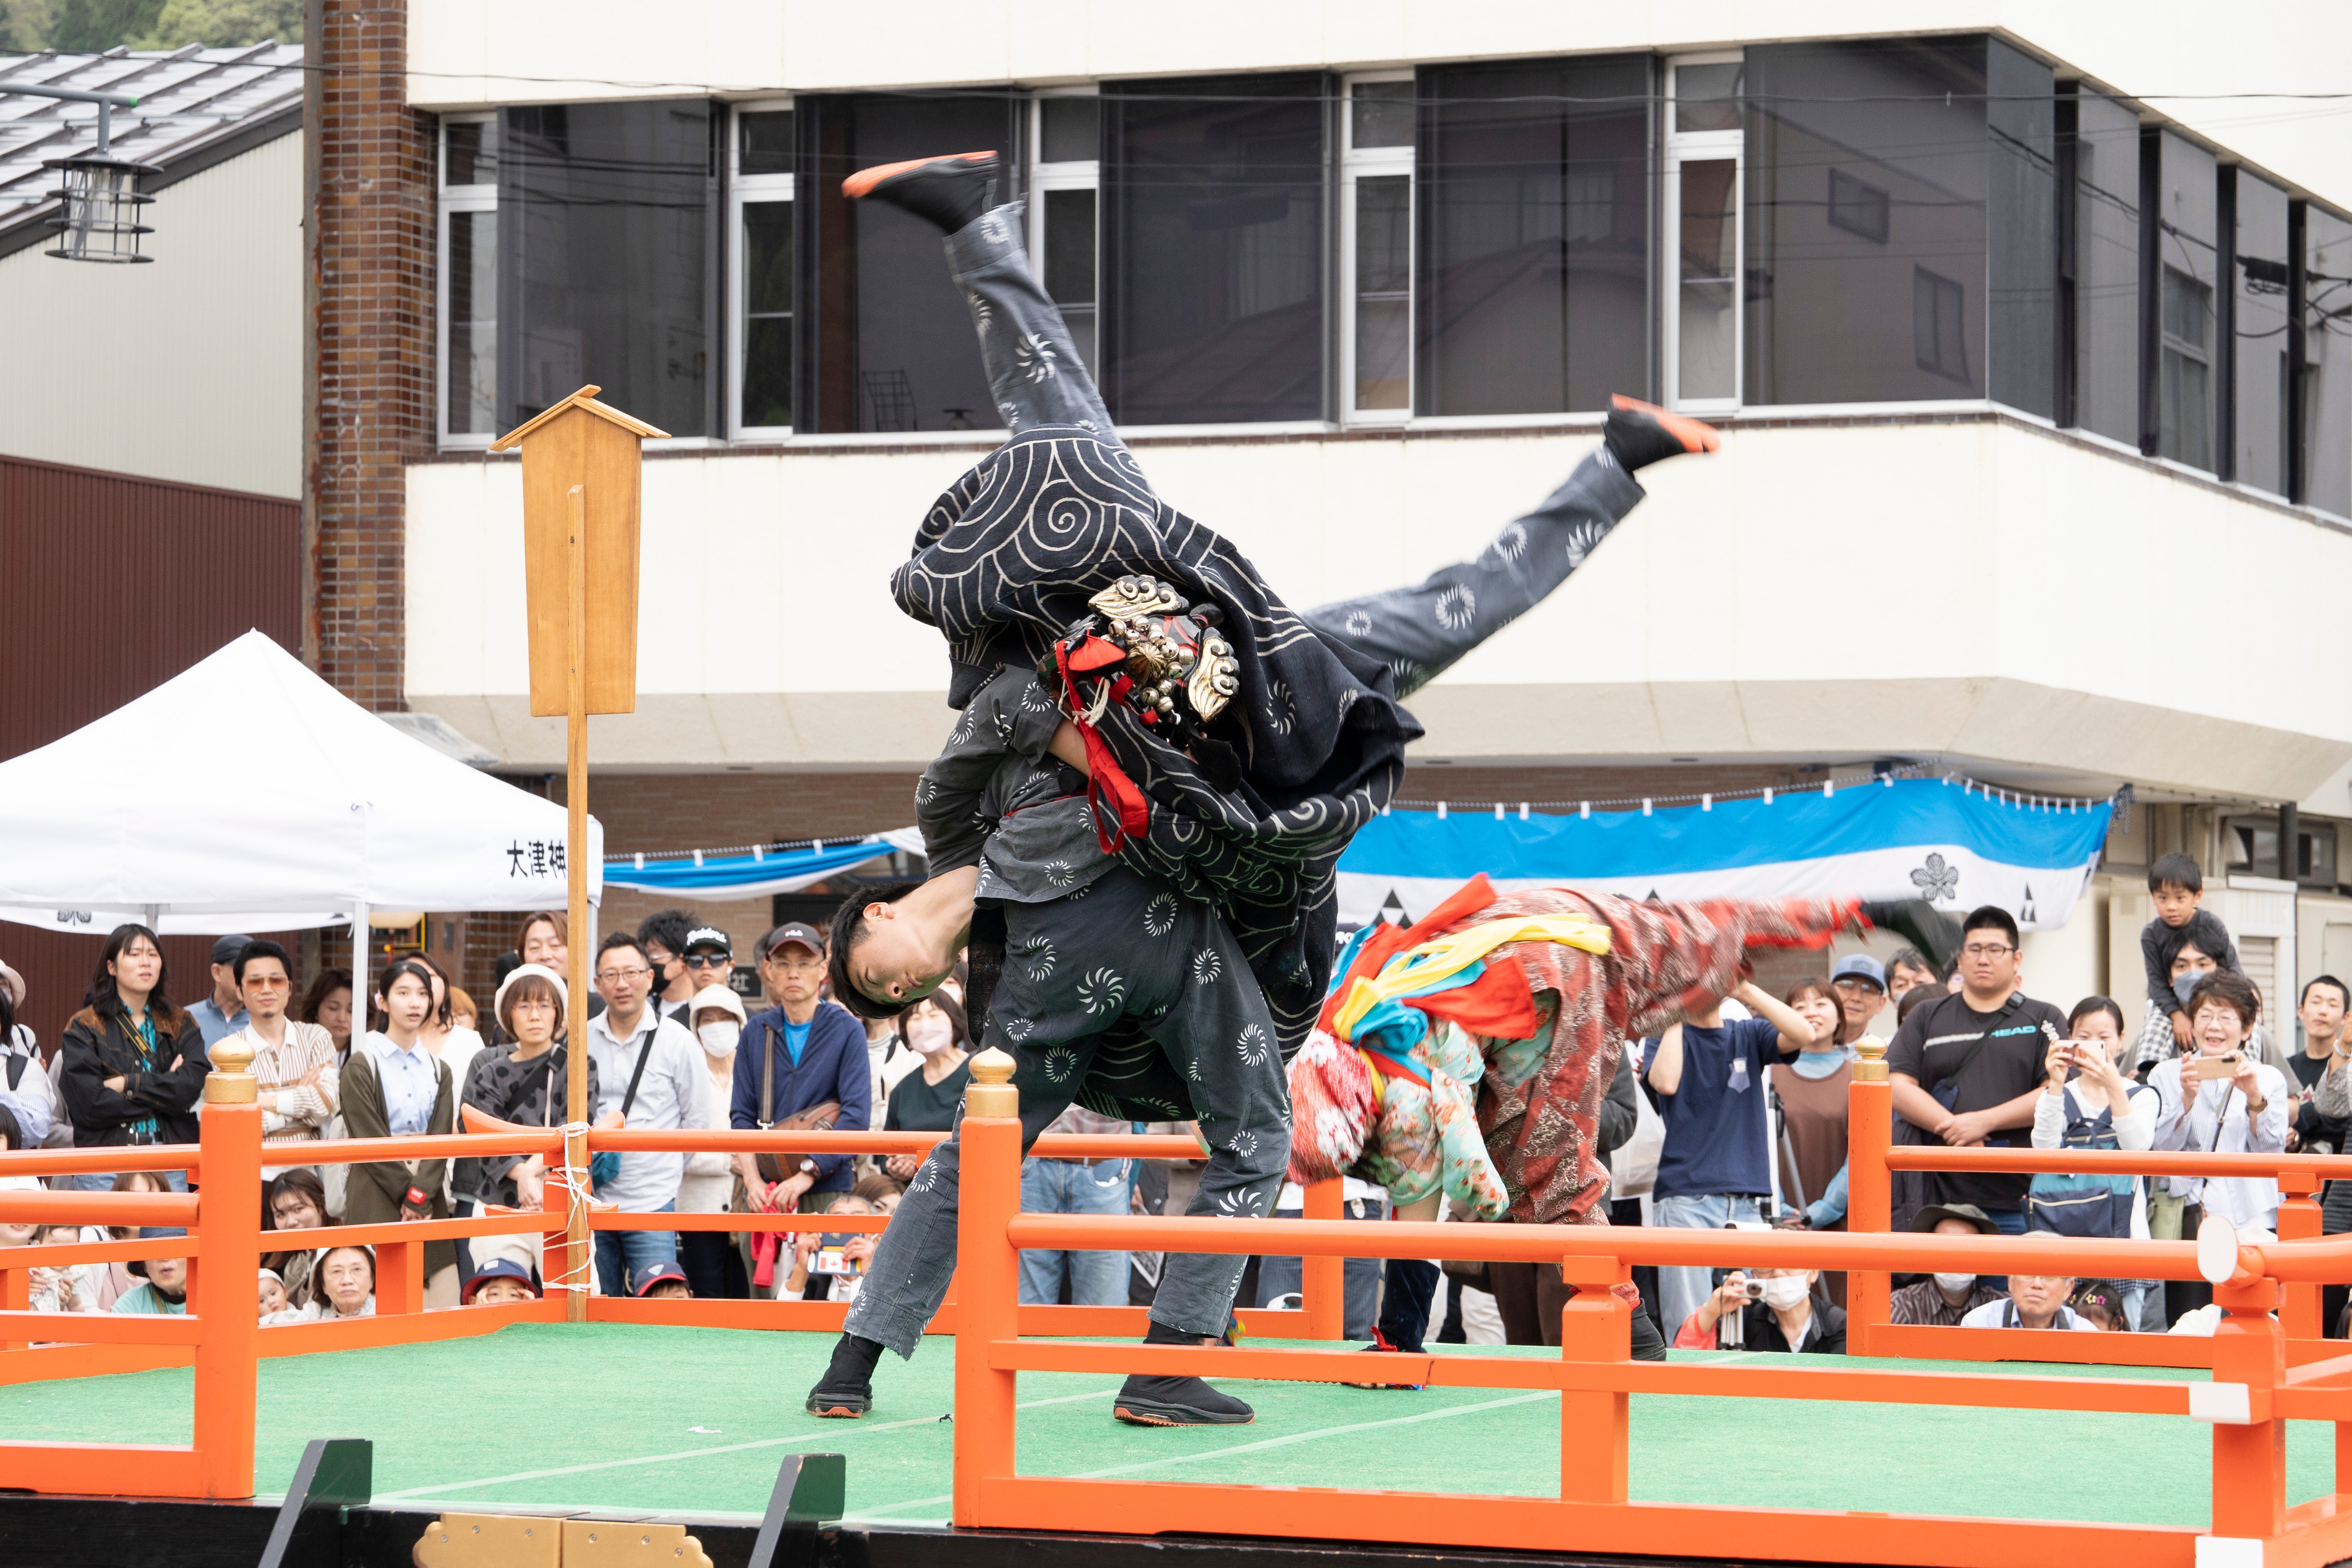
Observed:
{"x":950,"y":190}
{"x":1638,"y":434}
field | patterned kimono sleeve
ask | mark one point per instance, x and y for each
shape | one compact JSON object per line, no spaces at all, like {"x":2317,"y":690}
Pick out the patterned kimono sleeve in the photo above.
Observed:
{"x":1003,"y":720}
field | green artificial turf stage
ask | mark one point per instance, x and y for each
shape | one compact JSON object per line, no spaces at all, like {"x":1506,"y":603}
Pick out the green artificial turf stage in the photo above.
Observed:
{"x":627,"y":1417}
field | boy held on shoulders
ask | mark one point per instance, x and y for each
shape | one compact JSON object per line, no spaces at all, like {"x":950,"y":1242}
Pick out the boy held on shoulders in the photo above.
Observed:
{"x":2178,"y":888}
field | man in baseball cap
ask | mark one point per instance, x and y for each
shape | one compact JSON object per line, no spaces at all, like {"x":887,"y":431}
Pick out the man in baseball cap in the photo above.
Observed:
{"x":1860,"y":983}
{"x":798,"y":1056}
{"x":709,"y":955}
{"x":222,"y":1013}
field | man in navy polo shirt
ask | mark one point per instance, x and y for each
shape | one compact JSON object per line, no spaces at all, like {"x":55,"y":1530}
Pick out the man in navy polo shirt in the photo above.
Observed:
{"x":1716,"y":1167}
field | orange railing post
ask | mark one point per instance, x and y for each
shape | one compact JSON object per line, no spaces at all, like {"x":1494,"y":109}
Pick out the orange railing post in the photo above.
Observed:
{"x":1595,"y":1428}
{"x":2249,"y":1451}
{"x":1323,"y":1281}
{"x":2299,"y":1220}
{"x":15,"y":1296}
{"x":399,"y":1278}
{"x":228,"y":1251}
{"x":1869,"y":1188}
{"x":988,"y":1272}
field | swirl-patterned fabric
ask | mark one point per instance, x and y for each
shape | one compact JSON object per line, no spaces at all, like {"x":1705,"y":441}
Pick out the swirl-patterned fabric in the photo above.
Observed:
{"x":1005,"y":563}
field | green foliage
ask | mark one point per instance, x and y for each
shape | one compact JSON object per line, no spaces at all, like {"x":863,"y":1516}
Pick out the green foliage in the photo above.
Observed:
{"x":92,"y":26}
{"x":223,"y":23}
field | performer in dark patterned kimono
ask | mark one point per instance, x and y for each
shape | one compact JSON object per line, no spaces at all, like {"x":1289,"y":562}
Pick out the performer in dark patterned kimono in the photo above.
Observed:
{"x":1158,"y":764}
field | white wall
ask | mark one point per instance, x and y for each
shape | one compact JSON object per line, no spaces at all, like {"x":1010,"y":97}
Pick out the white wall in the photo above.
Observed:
{"x":1973,"y":590}
{"x":579,"y":49}
{"x":189,"y":368}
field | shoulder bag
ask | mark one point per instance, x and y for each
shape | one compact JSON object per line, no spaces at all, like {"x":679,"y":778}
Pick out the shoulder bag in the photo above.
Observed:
{"x":815,"y":1118}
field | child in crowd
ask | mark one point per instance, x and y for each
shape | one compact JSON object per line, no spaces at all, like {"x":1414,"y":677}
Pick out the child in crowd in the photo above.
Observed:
{"x":65,"y":1287}
{"x":273,"y":1292}
{"x":2177,"y":887}
{"x":666,"y":1283}
{"x":498,"y":1283}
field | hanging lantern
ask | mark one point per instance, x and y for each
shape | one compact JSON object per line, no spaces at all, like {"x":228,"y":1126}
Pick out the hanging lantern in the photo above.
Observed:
{"x":97,"y":217}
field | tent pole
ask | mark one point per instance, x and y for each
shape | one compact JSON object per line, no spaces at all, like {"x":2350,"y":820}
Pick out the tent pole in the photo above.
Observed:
{"x":359,"y":971}
{"x":583,"y":953}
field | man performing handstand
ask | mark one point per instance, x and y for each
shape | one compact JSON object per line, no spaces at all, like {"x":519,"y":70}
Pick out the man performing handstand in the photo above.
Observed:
{"x":1157,"y":766}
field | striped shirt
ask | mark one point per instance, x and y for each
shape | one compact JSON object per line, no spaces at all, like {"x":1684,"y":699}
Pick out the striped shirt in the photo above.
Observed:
{"x":292,"y":1111}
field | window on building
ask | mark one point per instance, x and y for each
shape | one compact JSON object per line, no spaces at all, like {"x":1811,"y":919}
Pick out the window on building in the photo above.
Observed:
{"x":760,"y":264}
{"x":1533,"y":260}
{"x":1704,"y":295}
{"x":2101,"y":269}
{"x":1213,"y":270}
{"x":606,"y":259}
{"x":1067,"y":137}
{"x":894,"y":348}
{"x":2249,"y":845}
{"x":1956,"y":138}
{"x":468,"y":272}
{"x":1376,"y":256}
{"x":2261,"y":348}
{"x":2187,"y":226}
{"x":2326,"y":400}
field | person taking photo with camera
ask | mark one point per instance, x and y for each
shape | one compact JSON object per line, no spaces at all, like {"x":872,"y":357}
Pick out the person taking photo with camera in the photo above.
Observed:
{"x":1773,"y":1308}
{"x":2219,"y":1100}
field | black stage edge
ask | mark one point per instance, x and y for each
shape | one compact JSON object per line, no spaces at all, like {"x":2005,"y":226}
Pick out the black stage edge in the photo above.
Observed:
{"x":123,"y":1532}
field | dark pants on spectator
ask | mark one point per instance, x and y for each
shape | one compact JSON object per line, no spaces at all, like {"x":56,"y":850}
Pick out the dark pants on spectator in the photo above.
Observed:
{"x":1279,"y":1277}
{"x":1404,"y":1309}
{"x":713,"y":1265}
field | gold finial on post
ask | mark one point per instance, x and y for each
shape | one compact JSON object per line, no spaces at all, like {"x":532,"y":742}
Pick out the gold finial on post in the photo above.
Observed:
{"x":231,"y":1082}
{"x":1870,"y":1065}
{"x":992,"y":1092}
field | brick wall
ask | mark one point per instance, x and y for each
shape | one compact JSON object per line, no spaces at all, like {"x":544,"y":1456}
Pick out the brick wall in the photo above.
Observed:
{"x":369,"y":386}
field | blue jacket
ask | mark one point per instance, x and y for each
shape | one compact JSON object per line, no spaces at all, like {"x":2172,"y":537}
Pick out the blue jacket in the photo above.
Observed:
{"x":834,"y":1065}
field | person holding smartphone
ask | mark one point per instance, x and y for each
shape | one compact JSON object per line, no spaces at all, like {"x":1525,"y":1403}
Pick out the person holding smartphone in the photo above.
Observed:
{"x":2220,"y":1099}
{"x":2098,"y":1108}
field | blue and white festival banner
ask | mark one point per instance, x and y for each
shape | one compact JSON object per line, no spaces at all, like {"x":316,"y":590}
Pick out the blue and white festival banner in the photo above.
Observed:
{"x":1954,"y":843}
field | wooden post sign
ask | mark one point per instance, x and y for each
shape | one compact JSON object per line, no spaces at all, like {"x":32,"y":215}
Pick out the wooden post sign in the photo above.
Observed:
{"x":580,"y":473}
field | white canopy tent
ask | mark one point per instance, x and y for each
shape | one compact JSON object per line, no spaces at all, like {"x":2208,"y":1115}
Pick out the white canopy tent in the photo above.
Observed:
{"x":246,"y":794}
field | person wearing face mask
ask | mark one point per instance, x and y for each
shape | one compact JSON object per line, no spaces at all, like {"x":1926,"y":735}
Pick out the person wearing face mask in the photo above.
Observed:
{"x":2192,"y":961}
{"x":711,"y":1261}
{"x":926,"y":1072}
{"x":1791,"y":1315}
{"x":1941,"y":1301}
{"x":2219,"y":1100}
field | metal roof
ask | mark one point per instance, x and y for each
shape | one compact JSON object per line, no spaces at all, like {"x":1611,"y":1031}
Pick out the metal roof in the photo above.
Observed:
{"x":196,"y":106}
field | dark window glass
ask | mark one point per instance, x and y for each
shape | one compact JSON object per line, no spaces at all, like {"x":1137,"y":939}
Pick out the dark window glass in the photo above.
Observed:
{"x":2259,"y":330}
{"x":917,"y":362}
{"x":1379,"y":114}
{"x":1070,"y":129}
{"x":1707,"y":98}
{"x":1835,"y":314}
{"x":764,"y":142}
{"x":2185,"y":255}
{"x":1858,"y":206}
{"x":767,"y":313}
{"x":2328,"y":361}
{"x":1383,"y":290}
{"x":471,"y":361}
{"x":2021,"y":243}
{"x":1534,"y":266}
{"x":2106,"y":269}
{"x":1940,"y":325}
{"x":1213,"y":218}
{"x":1070,"y":264}
{"x":603,"y":259}
{"x":469,"y":153}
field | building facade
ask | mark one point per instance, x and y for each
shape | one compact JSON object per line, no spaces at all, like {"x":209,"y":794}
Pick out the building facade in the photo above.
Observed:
{"x":2029,"y":329}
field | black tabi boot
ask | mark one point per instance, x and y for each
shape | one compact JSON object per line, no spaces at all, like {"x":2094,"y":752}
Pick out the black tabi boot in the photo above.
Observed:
{"x":1177,"y":1401}
{"x":950,"y":191}
{"x":1638,"y":434}
{"x":846,"y":1389}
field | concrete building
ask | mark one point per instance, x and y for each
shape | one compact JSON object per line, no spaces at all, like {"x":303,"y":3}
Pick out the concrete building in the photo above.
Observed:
{"x":2027,"y":325}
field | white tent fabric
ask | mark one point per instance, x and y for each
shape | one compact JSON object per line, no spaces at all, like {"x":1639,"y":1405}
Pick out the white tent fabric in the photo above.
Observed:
{"x":246,"y":794}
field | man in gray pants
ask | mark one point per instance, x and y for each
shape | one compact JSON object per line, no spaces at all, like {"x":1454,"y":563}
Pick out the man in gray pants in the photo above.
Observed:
{"x":1110,"y":981}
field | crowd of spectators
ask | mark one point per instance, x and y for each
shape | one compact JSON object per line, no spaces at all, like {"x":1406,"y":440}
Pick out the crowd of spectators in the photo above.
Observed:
{"x":1735,"y":1117}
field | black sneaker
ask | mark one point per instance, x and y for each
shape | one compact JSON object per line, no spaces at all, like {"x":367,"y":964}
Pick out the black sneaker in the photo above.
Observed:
{"x":846,"y":1391}
{"x":951,"y":191}
{"x":1178,"y":1402}
{"x":1638,"y":434}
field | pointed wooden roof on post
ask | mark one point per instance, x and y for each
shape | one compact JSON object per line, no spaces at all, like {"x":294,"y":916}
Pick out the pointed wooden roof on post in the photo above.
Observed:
{"x":580,"y":442}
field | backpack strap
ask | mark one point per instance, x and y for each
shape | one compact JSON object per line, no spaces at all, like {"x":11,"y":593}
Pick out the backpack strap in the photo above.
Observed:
{"x":768,"y":1080}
